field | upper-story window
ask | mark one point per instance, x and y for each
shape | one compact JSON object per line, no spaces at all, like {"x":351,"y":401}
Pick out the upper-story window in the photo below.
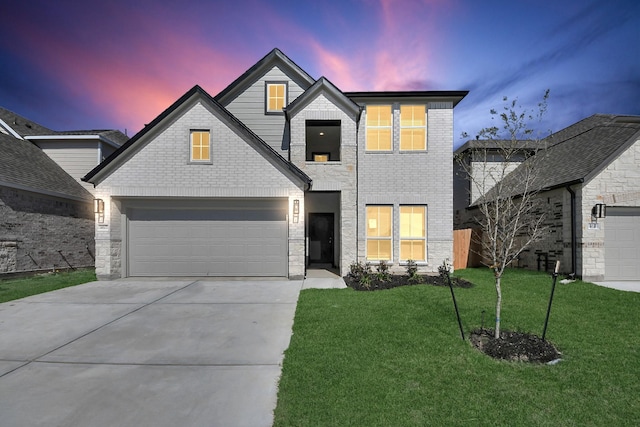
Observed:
{"x":200,"y":146}
{"x":379,"y":128}
{"x":322,"y":139}
{"x":413,"y":128}
{"x":275,"y":97}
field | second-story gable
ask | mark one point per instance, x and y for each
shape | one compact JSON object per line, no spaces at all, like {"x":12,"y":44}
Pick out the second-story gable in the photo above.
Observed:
{"x":258,"y":97}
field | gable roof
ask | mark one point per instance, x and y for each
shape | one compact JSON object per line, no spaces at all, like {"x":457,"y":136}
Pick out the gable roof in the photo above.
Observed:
{"x":275,"y":57}
{"x":121,"y":153}
{"x":335,"y":95}
{"x":591,"y":145}
{"x":27,"y":167}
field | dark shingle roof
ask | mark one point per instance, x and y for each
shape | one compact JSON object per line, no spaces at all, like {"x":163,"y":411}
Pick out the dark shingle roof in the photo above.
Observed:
{"x":577,"y":153}
{"x":112,"y":135}
{"x":25,"y":166}
{"x":22,"y":126}
{"x":496,"y":144}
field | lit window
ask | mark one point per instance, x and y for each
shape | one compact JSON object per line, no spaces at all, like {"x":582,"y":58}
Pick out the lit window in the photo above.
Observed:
{"x":413,"y":127}
{"x":200,"y":148}
{"x":379,"y":226}
{"x":379,"y":127}
{"x":320,"y":157}
{"x":413,"y":233}
{"x":276,"y":97}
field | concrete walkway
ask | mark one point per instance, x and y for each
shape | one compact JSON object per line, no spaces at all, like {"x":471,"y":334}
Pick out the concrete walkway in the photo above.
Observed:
{"x":629,"y":286}
{"x":165,"y":352}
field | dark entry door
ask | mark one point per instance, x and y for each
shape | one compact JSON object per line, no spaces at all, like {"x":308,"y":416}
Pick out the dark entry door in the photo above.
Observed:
{"x":321,"y":238}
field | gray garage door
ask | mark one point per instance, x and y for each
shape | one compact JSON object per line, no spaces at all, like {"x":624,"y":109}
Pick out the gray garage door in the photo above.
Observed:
{"x":207,"y":241}
{"x":622,"y":244}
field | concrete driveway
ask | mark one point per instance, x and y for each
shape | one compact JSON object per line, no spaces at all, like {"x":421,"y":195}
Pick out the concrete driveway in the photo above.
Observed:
{"x":146,"y":353}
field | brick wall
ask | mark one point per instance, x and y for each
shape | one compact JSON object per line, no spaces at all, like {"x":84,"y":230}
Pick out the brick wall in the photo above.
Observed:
{"x":332,"y":176}
{"x":40,"y":232}
{"x":161,"y":168}
{"x":412,"y":178}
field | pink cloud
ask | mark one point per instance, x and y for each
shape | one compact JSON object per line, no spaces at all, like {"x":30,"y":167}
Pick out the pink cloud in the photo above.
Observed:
{"x":132,"y":77}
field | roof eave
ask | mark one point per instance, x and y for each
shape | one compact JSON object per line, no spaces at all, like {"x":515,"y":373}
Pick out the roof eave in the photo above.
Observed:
{"x":454,"y":96}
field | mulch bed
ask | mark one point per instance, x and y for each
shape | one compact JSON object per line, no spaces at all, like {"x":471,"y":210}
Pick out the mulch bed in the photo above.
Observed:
{"x":403,"y":280}
{"x":514,"y":346}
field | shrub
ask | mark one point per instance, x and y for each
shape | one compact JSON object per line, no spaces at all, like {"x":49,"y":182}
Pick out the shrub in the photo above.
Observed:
{"x":443,"y":271}
{"x":412,"y":271}
{"x":382,"y":272}
{"x":360,"y":273}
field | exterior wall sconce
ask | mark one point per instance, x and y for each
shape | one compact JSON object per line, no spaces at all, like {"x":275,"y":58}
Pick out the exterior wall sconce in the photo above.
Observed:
{"x":98,"y":208}
{"x":599,"y":211}
{"x":296,"y":210}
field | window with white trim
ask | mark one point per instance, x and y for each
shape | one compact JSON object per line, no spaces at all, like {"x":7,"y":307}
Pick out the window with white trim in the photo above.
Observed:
{"x":275,"y":97}
{"x":379,"y":128}
{"x":413,"y":128}
{"x":379,"y":223}
{"x":200,"y":146}
{"x":413,"y":233}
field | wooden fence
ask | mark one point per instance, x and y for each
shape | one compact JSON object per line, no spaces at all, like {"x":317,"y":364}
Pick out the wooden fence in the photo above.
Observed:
{"x":466,"y":248}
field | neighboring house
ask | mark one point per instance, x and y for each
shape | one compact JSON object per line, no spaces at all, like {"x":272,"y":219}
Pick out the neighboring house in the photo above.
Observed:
{"x":590,"y":183}
{"x":276,"y":173}
{"x":485,"y":160}
{"x":77,"y":152}
{"x":46,"y":216}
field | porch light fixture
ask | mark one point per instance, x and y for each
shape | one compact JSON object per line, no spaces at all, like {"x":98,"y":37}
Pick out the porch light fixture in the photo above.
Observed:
{"x":98,"y":208}
{"x":599,"y":211}
{"x":296,"y":210}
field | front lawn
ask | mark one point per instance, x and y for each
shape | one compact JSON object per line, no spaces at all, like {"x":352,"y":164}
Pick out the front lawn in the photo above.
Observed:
{"x":11,"y":289}
{"x":395,"y":357}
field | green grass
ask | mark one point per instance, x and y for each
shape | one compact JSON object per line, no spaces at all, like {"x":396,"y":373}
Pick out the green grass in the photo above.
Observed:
{"x":395,"y":357}
{"x":11,"y":289}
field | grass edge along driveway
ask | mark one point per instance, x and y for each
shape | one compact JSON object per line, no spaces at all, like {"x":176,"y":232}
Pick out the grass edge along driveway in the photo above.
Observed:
{"x":395,"y":357}
{"x":12,"y":289}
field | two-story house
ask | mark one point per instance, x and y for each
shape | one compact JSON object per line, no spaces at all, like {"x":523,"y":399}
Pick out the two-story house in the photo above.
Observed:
{"x":276,"y":173}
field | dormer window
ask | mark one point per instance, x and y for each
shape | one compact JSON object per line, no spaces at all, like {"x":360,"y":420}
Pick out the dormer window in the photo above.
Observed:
{"x":275,"y":97}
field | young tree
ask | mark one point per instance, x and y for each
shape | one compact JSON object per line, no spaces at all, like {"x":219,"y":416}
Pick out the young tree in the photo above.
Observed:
{"x":504,"y":183}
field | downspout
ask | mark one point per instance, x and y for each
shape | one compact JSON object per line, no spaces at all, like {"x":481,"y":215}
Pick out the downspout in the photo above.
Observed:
{"x":574,"y":246}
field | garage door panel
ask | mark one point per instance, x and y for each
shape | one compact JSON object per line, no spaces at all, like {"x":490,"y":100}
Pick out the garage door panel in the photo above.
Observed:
{"x":622,"y":244}
{"x":207,"y":243}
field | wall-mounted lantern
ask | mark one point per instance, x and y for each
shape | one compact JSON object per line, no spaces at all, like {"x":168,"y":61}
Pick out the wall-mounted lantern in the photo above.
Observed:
{"x":599,"y":211}
{"x":296,"y":210}
{"x":98,"y":208}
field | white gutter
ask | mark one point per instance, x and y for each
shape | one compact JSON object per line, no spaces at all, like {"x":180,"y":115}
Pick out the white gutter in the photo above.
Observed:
{"x":10,"y":129}
{"x":73,"y":137}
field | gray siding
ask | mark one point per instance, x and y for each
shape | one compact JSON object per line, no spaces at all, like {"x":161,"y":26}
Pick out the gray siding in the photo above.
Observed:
{"x":75,"y":157}
{"x":250,"y":109}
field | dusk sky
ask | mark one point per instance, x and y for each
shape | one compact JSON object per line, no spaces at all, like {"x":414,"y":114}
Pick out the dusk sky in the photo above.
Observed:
{"x":117,"y":64}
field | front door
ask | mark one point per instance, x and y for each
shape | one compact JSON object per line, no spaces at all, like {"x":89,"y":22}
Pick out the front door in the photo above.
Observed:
{"x":321,"y":238}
